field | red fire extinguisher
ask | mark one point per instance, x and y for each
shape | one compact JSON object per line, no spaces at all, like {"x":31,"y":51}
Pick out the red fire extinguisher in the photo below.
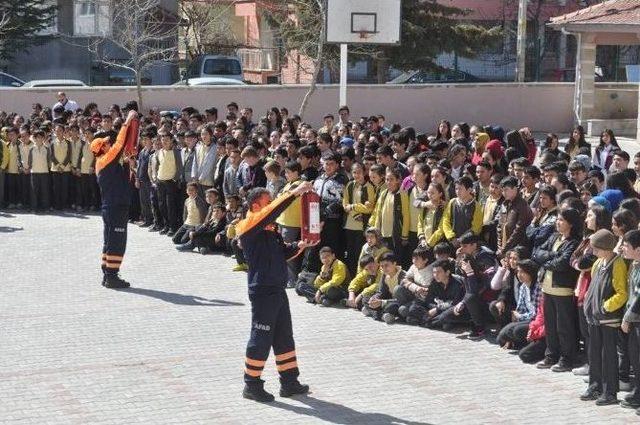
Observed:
{"x":310,"y":217}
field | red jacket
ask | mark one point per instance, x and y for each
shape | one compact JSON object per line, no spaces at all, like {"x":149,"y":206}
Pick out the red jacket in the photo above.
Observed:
{"x":536,"y":326}
{"x":531,"y":147}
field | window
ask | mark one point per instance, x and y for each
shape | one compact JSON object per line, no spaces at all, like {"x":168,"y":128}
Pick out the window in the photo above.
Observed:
{"x":222,"y":67}
{"x":87,"y":8}
{"x":92,"y":17}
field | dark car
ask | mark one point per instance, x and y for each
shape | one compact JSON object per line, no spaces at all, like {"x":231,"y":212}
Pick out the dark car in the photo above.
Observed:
{"x":435,"y":77}
{"x":7,"y":80}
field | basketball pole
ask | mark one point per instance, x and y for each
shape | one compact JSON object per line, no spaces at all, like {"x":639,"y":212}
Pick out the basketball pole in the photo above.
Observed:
{"x":343,"y":74}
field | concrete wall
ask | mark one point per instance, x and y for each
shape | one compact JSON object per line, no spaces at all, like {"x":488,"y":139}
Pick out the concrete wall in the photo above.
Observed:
{"x":542,"y":106}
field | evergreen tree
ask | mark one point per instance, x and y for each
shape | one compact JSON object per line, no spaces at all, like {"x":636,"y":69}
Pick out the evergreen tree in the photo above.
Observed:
{"x":23,"y":19}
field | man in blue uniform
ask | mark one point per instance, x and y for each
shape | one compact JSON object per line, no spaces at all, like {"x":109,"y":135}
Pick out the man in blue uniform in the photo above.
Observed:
{"x":113,"y":180}
{"x":267,"y":255}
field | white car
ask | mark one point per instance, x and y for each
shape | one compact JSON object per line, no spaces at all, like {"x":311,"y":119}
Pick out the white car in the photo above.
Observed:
{"x":210,"y":81}
{"x":54,"y":83}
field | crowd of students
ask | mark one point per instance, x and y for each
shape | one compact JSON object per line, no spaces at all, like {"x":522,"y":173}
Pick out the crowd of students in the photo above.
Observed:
{"x":469,"y":227}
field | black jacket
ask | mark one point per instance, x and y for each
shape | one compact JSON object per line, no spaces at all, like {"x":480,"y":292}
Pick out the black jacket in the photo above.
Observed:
{"x":558,"y":262}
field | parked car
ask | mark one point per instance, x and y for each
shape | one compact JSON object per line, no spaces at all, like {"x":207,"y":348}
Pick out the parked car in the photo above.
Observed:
{"x":8,"y":80}
{"x":215,"y":66}
{"x":210,"y":81}
{"x":434,"y":77}
{"x":54,"y":83}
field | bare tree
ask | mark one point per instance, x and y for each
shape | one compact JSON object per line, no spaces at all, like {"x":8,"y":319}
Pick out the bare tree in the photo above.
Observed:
{"x":208,"y":27}
{"x":4,"y":23}
{"x":144,"y":34}
{"x":302,"y":28}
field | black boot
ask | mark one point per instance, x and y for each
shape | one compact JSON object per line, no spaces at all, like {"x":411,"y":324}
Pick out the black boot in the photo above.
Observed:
{"x":294,"y":388}
{"x":113,"y":281}
{"x":256,"y":392}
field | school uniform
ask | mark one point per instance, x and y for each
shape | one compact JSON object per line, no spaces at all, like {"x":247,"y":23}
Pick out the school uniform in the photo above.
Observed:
{"x":331,"y":282}
{"x":4,"y":163}
{"x":603,"y":309}
{"x":289,"y":224}
{"x":194,"y":213}
{"x":460,"y":217}
{"x":144,"y":183}
{"x":203,"y":167}
{"x":632,"y":316}
{"x":39,"y":162}
{"x":392,"y":218}
{"x":385,"y":292}
{"x":356,"y":220}
{"x":24,"y":178}
{"x":169,"y":173}
{"x":415,"y":213}
{"x":60,"y":172}
{"x":330,"y":190}
{"x":365,"y":284}
{"x":12,"y":175}
{"x":88,"y":182}
{"x":430,"y":226}
{"x":158,"y":219}
{"x":75,"y":188}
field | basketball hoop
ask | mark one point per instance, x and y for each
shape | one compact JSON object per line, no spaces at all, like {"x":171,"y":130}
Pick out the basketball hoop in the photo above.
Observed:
{"x":363,"y":35}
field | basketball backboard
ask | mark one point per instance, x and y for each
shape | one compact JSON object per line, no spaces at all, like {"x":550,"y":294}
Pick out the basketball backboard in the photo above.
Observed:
{"x":363,"y":21}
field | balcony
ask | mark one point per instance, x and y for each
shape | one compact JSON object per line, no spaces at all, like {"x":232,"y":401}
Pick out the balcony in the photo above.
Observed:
{"x":259,"y":59}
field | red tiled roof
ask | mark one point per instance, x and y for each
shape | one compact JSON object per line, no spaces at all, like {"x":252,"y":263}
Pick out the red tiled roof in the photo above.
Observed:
{"x":609,"y":12}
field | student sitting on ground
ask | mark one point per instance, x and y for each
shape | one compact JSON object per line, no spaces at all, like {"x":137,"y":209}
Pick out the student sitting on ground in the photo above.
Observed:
{"x":533,"y":352}
{"x":205,"y":237}
{"x":504,"y":281}
{"x":414,"y":286}
{"x":195,"y":210}
{"x":412,"y":292}
{"x":365,"y":284}
{"x":382,"y":301}
{"x":446,"y":291}
{"x":329,"y":286}
{"x":373,"y":245}
{"x":527,"y":294}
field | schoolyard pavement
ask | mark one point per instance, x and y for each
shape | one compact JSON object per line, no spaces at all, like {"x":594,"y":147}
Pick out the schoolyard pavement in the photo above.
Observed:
{"x":171,"y":349}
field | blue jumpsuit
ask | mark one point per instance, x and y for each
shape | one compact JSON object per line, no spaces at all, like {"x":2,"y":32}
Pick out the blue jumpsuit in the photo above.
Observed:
{"x":267,"y":254}
{"x":116,"y":197}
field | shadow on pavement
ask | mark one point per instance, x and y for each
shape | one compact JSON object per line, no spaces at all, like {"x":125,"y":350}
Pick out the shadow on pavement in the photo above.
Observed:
{"x":181,"y":299}
{"x":339,"y":414}
{"x":10,"y":229}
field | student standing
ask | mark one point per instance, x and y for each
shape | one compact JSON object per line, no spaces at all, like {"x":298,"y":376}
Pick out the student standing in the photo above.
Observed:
{"x":60,"y":167}
{"x":603,"y":310}
{"x":631,"y":318}
{"x":558,"y":283}
{"x":169,"y":173}
{"x":88,"y":182}
{"x":354,"y":201}
{"x":38,"y":164}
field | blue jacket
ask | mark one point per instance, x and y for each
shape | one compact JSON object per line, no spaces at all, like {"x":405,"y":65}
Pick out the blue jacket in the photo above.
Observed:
{"x":264,"y":249}
{"x":143,"y":165}
{"x":113,"y":178}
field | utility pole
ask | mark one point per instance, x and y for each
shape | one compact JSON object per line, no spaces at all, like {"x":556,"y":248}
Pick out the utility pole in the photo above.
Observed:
{"x":522,"y":41}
